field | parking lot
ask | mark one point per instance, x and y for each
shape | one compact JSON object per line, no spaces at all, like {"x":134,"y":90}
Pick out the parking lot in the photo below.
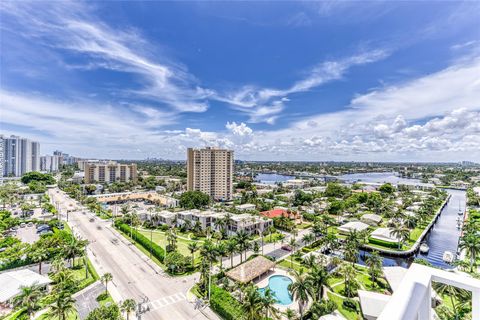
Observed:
{"x":27,"y":234}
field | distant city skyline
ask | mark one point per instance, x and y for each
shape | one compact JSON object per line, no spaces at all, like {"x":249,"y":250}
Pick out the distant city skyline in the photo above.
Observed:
{"x":311,"y":81}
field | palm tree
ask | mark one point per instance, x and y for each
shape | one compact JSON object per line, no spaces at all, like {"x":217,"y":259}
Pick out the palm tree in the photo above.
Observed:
{"x":310,"y":260}
{"x":242,"y":242}
{"x":221,"y":251}
{"x":374,"y":263}
{"x":28,"y":298}
{"x":290,"y":314}
{"x":128,"y":306}
{"x":57,"y":265}
{"x":301,"y":290}
{"x":471,"y":244}
{"x":349,"y":273}
{"x":350,"y":252}
{"x":193,"y":247}
{"x":230,"y":248}
{"x":106,"y":278}
{"x":39,"y":255}
{"x":252,"y":303}
{"x":318,"y":278}
{"x":63,"y":306}
{"x":308,"y":238}
{"x":456,"y":295}
{"x":64,"y":281}
{"x":293,"y":245}
{"x":209,"y":253}
{"x":268,"y":305}
{"x":401,"y":232}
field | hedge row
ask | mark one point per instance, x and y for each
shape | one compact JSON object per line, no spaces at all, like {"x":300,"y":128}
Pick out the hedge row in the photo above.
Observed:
{"x":226,"y":306}
{"x":157,"y":251}
{"x":383,"y":243}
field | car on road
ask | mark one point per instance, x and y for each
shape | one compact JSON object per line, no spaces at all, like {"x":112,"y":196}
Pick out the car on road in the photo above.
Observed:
{"x":91,"y":219}
{"x":287,"y":247}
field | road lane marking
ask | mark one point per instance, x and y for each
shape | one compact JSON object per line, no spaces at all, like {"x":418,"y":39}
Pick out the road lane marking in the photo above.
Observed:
{"x":166,"y":301}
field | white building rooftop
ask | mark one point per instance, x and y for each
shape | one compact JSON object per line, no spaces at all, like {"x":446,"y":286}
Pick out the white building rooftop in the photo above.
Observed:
{"x":371,"y":218}
{"x":354,"y":225}
{"x":372,"y":303}
{"x":12,"y":281}
{"x":384,"y":234}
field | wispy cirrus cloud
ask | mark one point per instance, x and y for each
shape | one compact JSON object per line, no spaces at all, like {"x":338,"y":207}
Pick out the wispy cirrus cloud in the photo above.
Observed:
{"x":265,"y":104}
{"x":71,"y":26}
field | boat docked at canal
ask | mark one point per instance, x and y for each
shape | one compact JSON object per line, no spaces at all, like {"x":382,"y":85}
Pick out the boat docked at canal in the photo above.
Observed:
{"x":424,"y":248}
{"x":448,"y":257}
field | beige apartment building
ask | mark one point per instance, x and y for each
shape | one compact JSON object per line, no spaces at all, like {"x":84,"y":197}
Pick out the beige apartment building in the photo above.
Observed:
{"x":210,"y":171}
{"x":109,"y":172}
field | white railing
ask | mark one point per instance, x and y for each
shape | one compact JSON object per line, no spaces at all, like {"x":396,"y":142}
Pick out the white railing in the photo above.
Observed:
{"x":412,"y":300}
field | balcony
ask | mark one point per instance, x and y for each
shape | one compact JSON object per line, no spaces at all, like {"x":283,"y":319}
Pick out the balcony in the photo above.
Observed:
{"x":412,"y":300}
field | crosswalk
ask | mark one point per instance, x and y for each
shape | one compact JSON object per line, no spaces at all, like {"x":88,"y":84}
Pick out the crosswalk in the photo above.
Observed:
{"x":165,"y":301}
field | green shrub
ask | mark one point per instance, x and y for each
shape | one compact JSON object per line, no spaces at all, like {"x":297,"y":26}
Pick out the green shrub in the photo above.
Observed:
{"x":222,"y":302}
{"x":350,"y":304}
{"x":102,"y":296}
{"x":383,"y":243}
{"x":157,"y":251}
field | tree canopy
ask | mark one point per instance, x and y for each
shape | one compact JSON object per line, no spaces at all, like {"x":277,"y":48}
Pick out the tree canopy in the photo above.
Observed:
{"x":194,"y":200}
{"x":44,"y":178}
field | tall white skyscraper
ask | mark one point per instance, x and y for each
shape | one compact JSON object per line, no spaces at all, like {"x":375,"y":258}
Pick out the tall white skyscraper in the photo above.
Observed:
{"x":20,"y":156}
{"x":210,"y":171}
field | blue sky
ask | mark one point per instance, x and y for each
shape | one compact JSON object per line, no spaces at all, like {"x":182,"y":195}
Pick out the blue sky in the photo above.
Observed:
{"x":378,"y":81}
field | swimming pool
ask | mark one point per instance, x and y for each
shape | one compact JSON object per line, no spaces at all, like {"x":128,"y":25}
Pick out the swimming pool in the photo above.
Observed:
{"x":279,"y":286}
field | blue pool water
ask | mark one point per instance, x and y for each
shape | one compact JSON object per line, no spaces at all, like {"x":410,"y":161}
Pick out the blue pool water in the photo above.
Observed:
{"x":279,"y":286}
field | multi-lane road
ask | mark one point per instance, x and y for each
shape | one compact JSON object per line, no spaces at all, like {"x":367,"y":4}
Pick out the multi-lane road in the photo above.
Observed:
{"x":134,"y":275}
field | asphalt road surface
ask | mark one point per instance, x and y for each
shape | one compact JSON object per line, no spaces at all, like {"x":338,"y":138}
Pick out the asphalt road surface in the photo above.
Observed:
{"x":134,"y":275}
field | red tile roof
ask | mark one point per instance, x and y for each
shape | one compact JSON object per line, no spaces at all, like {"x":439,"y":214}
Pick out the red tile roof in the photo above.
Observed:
{"x":274,"y":213}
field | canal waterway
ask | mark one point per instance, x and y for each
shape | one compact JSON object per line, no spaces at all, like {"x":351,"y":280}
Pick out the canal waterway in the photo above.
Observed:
{"x":442,"y":237}
{"x":272,"y":178}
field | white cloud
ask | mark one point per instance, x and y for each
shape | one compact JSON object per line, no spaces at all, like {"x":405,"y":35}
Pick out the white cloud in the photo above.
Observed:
{"x":240,"y":129}
{"x":69,"y":26}
{"x":265,"y":104}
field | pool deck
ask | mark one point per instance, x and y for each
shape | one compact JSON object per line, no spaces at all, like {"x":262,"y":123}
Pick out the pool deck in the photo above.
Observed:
{"x":263,"y":282}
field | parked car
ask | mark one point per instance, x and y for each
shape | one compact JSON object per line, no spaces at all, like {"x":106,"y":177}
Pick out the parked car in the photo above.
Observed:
{"x":286,"y":247}
{"x":45,"y":231}
{"x":30,"y":224}
{"x":22,"y":225}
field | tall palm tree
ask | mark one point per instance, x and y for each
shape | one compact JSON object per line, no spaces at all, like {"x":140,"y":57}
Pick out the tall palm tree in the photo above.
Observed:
{"x":268,"y":305}
{"x":293,"y":244}
{"x":471,"y":244}
{"x":39,"y":255}
{"x":242,"y":242}
{"x":221,"y":251}
{"x":318,"y":278}
{"x":64,"y":281}
{"x":106,"y":278}
{"x":349,"y":273}
{"x":374,"y":264}
{"x":401,"y":232}
{"x":252,"y":303}
{"x":209,"y":253}
{"x":193,"y":247}
{"x":128,"y":306}
{"x":350,"y":252}
{"x":28,"y":298}
{"x":231,"y":247}
{"x":62,"y":306}
{"x":301,"y":290}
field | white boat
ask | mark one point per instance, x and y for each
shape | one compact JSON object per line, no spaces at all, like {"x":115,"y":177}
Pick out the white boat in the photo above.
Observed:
{"x":448,"y":257}
{"x":424,"y":248}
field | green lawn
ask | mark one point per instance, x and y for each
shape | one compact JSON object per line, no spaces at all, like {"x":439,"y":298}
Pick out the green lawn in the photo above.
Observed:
{"x":159,"y":238}
{"x":349,"y":314}
{"x":288,"y":265}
